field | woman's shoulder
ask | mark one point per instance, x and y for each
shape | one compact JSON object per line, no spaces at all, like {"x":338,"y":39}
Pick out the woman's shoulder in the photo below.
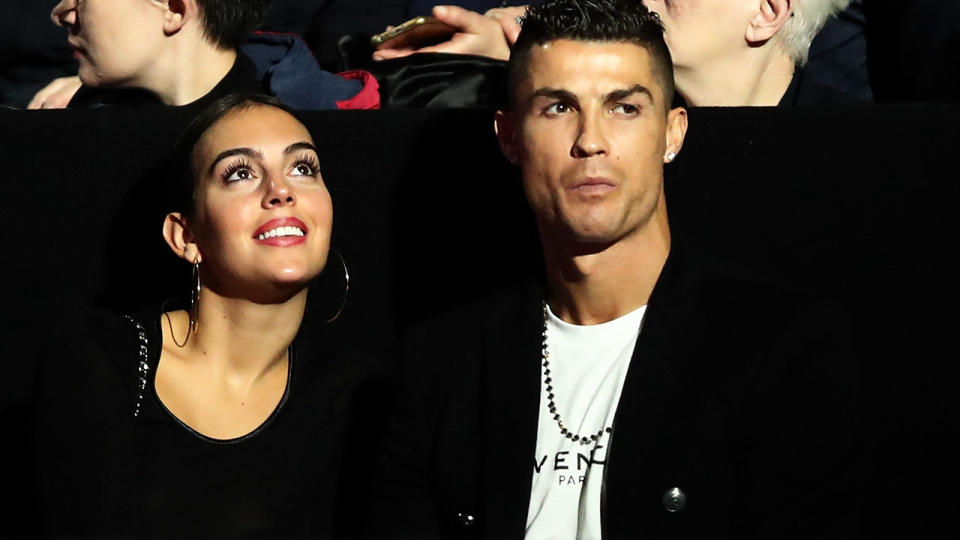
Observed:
{"x":87,"y":376}
{"x":326,"y":354}
{"x":325,"y":362}
{"x":97,"y":343}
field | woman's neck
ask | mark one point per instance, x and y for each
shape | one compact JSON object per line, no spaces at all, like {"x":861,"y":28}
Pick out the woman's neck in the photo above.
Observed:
{"x":239,"y":338}
{"x":753,"y":79}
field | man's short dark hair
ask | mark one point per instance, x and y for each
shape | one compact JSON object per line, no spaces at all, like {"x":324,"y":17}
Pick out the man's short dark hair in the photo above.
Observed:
{"x":227,"y":23}
{"x":627,"y":21}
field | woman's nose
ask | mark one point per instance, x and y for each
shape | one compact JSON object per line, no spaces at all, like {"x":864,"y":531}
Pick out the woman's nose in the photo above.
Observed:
{"x":278,"y":194}
{"x":65,"y":13}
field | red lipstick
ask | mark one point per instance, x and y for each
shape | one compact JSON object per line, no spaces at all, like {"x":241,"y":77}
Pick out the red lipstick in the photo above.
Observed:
{"x":281,"y":232}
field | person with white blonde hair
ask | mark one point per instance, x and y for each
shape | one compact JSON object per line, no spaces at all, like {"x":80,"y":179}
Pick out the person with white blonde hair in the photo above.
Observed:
{"x":745,"y":52}
{"x":725,"y":52}
{"x":809,"y":16}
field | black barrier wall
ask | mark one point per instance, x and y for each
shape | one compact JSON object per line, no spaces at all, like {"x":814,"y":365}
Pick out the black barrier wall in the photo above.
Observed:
{"x":856,"y":204}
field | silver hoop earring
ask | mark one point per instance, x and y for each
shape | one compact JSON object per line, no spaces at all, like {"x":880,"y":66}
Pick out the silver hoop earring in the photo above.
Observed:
{"x":346,"y":287}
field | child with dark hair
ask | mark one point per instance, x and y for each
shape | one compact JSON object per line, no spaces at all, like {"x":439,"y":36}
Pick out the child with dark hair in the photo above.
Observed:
{"x":189,"y":52}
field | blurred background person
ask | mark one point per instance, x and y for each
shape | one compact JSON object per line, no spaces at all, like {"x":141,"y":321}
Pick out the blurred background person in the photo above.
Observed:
{"x":188,"y":52}
{"x":745,"y":52}
{"x":32,"y":51}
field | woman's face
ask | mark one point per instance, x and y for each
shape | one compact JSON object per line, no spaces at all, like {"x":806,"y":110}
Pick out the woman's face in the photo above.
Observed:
{"x":702,"y":31}
{"x":114,"y":41}
{"x":263,"y":215}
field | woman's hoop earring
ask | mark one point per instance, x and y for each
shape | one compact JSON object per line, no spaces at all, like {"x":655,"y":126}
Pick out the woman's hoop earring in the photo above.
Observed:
{"x":346,"y":288}
{"x":194,"y":311}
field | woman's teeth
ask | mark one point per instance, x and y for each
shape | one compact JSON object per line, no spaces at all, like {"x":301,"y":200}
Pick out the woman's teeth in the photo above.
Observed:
{"x":281,"y":231}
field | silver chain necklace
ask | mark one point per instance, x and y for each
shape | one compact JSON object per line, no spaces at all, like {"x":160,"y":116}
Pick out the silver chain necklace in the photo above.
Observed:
{"x":551,"y":404}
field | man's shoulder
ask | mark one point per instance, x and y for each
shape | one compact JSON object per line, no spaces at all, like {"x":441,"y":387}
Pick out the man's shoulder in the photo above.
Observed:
{"x":494,"y":309}
{"x":731,"y":295}
{"x":458,"y":342}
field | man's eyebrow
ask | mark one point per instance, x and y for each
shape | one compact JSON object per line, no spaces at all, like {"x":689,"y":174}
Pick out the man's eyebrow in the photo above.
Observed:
{"x":556,"y":93}
{"x":617,"y":95}
{"x":302,"y":145}
{"x":242,"y":151}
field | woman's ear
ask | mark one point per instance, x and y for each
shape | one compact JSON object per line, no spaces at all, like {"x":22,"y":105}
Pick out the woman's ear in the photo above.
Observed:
{"x":176,"y":232}
{"x":504,"y":126}
{"x":768,"y":20}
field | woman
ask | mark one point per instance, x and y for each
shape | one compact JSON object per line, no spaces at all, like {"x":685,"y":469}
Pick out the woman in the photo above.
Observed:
{"x":215,"y":419}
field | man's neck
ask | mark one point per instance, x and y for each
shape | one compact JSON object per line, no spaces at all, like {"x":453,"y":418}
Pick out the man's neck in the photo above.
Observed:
{"x":755,"y":78}
{"x":190,"y":70}
{"x":598,"y":286}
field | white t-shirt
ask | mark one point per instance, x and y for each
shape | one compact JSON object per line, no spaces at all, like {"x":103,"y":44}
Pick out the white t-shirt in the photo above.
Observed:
{"x":588,"y":365}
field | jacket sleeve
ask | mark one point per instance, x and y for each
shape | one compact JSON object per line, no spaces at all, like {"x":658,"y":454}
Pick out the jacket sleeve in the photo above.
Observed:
{"x":402,"y":502}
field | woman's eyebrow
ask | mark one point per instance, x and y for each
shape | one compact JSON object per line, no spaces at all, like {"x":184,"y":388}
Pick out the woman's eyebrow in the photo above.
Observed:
{"x":242,"y":151}
{"x":302,"y":145}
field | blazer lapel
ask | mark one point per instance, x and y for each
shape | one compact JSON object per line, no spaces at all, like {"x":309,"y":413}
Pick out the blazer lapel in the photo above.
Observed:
{"x":512,"y":399}
{"x":660,"y":372}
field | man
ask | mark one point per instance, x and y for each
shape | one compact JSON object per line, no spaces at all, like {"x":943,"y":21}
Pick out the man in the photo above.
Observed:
{"x":187,"y":52}
{"x":641,"y":390}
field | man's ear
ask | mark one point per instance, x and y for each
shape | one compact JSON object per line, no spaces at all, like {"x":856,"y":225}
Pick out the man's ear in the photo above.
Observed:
{"x":177,"y":13}
{"x":504,"y":125}
{"x":676,"y":132}
{"x":176,"y":232}
{"x":769,"y":19}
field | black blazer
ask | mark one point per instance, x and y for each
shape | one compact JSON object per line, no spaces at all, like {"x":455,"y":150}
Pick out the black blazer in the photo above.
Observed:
{"x":741,"y":395}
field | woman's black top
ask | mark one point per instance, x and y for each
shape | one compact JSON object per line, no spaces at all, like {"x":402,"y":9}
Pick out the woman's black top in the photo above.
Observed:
{"x":112,"y":460}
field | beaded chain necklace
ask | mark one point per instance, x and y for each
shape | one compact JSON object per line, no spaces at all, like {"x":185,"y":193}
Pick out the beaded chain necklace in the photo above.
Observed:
{"x":551,"y":404}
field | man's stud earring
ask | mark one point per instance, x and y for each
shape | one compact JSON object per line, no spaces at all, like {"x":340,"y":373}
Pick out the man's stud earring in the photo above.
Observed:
{"x":671,"y":156}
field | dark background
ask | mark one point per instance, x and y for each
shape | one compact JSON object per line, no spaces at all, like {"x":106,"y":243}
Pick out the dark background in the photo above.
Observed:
{"x":858,"y":204}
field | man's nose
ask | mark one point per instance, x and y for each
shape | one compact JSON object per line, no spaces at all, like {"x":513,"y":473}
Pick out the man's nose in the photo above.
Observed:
{"x":591,"y":139}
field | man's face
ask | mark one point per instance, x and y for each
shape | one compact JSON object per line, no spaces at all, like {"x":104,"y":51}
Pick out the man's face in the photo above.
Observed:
{"x":699,"y":32}
{"x":590,"y":129}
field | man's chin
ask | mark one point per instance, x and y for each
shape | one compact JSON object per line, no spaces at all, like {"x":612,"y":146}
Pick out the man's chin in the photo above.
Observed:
{"x":588,"y":241}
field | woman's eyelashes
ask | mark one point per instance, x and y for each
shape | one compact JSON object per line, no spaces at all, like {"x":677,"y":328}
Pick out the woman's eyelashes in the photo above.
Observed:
{"x":306,"y":165}
{"x":237,"y":171}
{"x":241,"y":170}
